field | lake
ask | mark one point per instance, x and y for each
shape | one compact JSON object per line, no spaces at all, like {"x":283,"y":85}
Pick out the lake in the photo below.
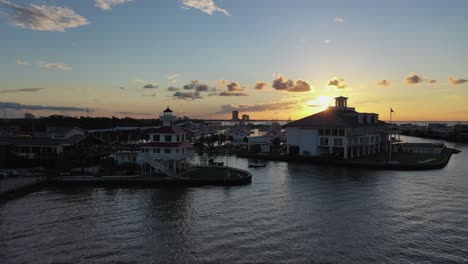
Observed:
{"x":291,"y":213}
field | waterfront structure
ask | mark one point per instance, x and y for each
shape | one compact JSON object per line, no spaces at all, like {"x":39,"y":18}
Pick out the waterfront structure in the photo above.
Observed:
{"x":245,"y":117}
{"x":168,"y":150}
{"x":338,"y":131}
{"x":51,"y":145}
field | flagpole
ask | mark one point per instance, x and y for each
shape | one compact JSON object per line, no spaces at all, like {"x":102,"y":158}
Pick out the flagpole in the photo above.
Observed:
{"x":390,"y":138}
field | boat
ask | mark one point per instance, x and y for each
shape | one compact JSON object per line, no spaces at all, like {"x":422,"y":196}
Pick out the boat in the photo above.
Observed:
{"x":256,"y":165}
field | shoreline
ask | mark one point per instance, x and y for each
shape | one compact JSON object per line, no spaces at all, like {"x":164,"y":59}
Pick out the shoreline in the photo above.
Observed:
{"x":360,"y":163}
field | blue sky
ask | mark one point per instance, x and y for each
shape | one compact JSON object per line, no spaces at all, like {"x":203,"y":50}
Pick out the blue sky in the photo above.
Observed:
{"x":98,"y":58}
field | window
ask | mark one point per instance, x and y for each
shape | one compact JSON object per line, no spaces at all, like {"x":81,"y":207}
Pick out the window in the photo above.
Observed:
{"x":320,"y":132}
{"x":167,"y":151}
{"x":158,"y":150}
{"x":156,"y":138}
{"x":341,"y":132}
{"x":178,"y":138}
{"x":334,"y":132}
{"x":168,"y":138}
{"x":338,"y":142}
{"x":177,"y":151}
{"x":324,"y":141}
{"x":326,"y":132}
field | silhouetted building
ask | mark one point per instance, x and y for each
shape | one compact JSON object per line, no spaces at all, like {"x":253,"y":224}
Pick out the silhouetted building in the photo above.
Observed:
{"x":338,"y":131}
{"x":235,"y":115}
{"x":245,"y":117}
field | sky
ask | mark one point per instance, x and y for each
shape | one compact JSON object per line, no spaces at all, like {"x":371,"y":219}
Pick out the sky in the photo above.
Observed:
{"x":271,"y":59}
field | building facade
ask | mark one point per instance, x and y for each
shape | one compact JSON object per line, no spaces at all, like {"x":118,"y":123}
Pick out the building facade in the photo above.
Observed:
{"x":339,"y":131}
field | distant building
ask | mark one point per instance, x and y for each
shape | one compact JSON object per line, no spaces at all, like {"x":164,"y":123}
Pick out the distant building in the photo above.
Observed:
{"x":338,"y":131}
{"x":29,"y":116}
{"x":245,"y":118}
{"x":235,"y":115}
{"x":259,"y":144}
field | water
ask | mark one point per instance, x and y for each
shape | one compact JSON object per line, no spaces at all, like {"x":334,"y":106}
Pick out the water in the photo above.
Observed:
{"x":289,"y":214}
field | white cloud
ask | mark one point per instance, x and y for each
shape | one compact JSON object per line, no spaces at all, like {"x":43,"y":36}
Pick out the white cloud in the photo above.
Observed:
{"x":54,"y":66}
{"x":172,"y":78}
{"x":339,"y":20}
{"x":327,"y":41}
{"x":206,"y":6}
{"x":107,"y":4}
{"x":21,"y":62}
{"x":43,"y":17}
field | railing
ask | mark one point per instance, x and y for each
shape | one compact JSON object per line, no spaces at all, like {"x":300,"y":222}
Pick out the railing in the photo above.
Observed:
{"x":160,"y":165}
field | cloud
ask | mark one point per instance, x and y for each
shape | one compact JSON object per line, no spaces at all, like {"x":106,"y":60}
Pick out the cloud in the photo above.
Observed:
{"x":206,"y":6}
{"x":226,"y":93}
{"x":43,"y":17}
{"x":21,"y":62}
{"x":107,"y":4}
{"x":281,"y":83}
{"x":188,"y":95}
{"x":338,"y":83}
{"x":173,"y":89}
{"x":233,"y":89}
{"x":339,"y":20}
{"x":385,"y":83}
{"x":327,"y":41}
{"x":455,"y":81}
{"x":55,"y":66}
{"x":197,"y":86}
{"x":414,"y":79}
{"x":134,"y":113}
{"x":261,"y":85}
{"x":172,"y":78}
{"x":22,"y":90}
{"x":17,"y":106}
{"x":150,"y":86}
{"x":432,"y":81}
{"x":225,"y":109}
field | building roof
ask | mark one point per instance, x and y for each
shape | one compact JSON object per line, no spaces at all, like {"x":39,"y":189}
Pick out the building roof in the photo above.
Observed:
{"x":168,"y":130}
{"x":166,"y":144}
{"x":331,"y":118}
{"x":341,"y":97}
{"x":168,"y":110}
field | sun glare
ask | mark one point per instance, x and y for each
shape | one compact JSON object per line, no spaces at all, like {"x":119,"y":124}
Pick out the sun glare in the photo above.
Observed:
{"x":321,"y":103}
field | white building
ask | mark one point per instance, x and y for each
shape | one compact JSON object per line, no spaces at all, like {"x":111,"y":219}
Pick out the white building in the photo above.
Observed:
{"x":338,"y":131}
{"x":168,"y":150}
{"x":259,"y":144}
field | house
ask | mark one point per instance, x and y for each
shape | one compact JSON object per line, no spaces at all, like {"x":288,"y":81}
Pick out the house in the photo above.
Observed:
{"x":338,"y":131}
{"x":168,"y":150}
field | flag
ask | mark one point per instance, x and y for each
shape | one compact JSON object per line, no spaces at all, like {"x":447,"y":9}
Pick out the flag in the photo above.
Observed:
{"x":391,"y":110}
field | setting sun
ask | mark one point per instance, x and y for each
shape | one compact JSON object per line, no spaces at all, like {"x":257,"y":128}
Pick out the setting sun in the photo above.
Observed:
{"x":321,"y":103}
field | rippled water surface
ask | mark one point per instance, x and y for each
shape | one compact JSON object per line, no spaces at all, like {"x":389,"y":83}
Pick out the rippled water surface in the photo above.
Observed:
{"x":289,"y":214}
